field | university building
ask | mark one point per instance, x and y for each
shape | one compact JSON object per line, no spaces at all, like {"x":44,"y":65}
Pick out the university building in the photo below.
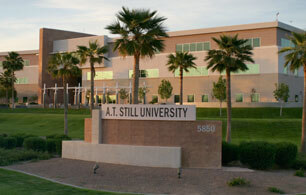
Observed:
{"x":250,"y":88}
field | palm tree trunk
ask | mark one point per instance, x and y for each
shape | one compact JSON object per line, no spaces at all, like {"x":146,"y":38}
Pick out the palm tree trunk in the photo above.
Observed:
{"x":220,"y":111}
{"x":135,"y":79}
{"x":13,"y":95}
{"x":281,"y":109}
{"x":65,"y":108}
{"x":229,"y":106}
{"x":303,"y":140}
{"x":6,"y":96}
{"x":181,"y":86}
{"x":92,"y":83}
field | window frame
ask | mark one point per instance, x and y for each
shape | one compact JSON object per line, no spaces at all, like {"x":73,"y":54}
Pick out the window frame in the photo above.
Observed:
{"x":193,"y":98}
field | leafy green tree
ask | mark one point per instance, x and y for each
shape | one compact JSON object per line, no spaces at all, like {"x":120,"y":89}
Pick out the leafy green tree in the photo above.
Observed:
{"x":64,"y":66}
{"x":141,"y":34}
{"x":182,"y":61}
{"x":165,"y":89}
{"x":295,"y":59}
{"x":13,"y":62}
{"x":95,"y":55}
{"x":281,"y":94}
{"x":6,"y":81}
{"x":231,"y":56}
{"x":123,"y":94}
{"x":219,"y":91}
{"x":142,"y":91}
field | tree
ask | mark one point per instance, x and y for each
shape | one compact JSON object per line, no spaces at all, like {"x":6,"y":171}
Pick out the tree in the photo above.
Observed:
{"x":6,"y":81}
{"x":219,"y":91}
{"x":13,"y":62}
{"x":295,"y":59}
{"x":123,"y":94}
{"x":142,"y":93}
{"x":231,"y":56}
{"x":141,"y":32}
{"x":165,"y":89}
{"x":182,"y":61}
{"x":64,"y":66}
{"x":95,"y":55}
{"x":281,"y":94}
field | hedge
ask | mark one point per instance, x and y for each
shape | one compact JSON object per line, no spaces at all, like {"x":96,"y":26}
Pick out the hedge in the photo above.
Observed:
{"x":286,"y":153}
{"x":20,"y":138}
{"x":230,"y":152}
{"x":35,"y":143}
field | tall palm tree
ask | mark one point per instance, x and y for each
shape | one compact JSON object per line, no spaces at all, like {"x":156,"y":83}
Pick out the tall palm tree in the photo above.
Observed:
{"x":64,"y":66}
{"x":94,"y":53}
{"x":231,"y":56}
{"x":295,"y":58}
{"x":13,"y":62}
{"x":141,"y":32}
{"x":6,"y":80}
{"x":182,"y":61}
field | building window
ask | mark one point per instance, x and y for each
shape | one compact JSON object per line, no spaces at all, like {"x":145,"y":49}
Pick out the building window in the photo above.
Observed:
{"x":176,"y":98}
{"x":285,"y":70}
{"x":179,"y":47}
{"x":286,"y":43}
{"x":22,"y":80}
{"x":198,"y":71}
{"x":296,"y":73}
{"x":186,"y":47}
{"x":204,"y":98}
{"x":26,"y":62}
{"x":239,"y":97}
{"x":190,"y":98}
{"x":148,"y":73}
{"x":296,"y":98}
{"x":101,"y":75}
{"x":252,"y":69}
{"x":255,"y":97}
{"x":256,"y":42}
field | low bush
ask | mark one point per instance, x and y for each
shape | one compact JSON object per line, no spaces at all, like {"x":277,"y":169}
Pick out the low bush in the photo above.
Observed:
{"x":11,"y":156}
{"x":10,"y":142}
{"x":285,"y":154}
{"x":35,"y":143}
{"x":238,"y":181}
{"x":51,"y":145}
{"x":299,"y":164}
{"x":276,"y":190}
{"x":59,"y":136}
{"x":3,"y":135}
{"x":2,"y":142}
{"x":257,"y":155}
{"x":299,"y":173}
{"x":20,"y":138}
{"x":230,"y":152}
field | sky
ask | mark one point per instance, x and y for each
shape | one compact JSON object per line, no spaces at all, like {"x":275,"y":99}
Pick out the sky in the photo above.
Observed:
{"x":20,"y":20}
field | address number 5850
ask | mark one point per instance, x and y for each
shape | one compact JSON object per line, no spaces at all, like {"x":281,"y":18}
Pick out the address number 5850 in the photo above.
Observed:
{"x":206,"y":128}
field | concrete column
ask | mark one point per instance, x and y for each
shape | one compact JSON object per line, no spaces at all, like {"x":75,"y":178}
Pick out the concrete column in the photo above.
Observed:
{"x":96,"y":126}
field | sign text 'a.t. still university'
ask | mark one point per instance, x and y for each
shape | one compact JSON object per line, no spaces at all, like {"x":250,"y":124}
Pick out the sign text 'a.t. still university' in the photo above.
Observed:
{"x":149,"y":112}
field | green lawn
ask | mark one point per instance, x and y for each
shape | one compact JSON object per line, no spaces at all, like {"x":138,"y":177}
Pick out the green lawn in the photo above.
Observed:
{"x":12,"y":182}
{"x":247,"y":123}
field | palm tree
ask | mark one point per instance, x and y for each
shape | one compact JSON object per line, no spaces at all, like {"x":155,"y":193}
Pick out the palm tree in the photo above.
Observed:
{"x":231,"y":56}
{"x":182,"y":61}
{"x":141,"y":32}
{"x":64,"y":66}
{"x":94,"y":54}
{"x":6,"y":82}
{"x":295,"y":58}
{"x":13,"y":62}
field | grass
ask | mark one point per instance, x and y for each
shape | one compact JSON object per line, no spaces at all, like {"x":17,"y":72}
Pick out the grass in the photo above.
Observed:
{"x":238,"y":181}
{"x":12,"y":182}
{"x":276,"y":190}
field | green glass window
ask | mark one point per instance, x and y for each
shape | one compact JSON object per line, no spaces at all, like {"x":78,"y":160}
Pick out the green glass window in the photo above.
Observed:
{"x":192,"y":46}
{"x":186,"y":47}
{"x":204,"y":98}
{"x":249,"y":42}
{"x":206,"y":46}
{"x":176,"y":98}
{"x":239,"y":97}
{"x":198,"y":71}
{"x":148,"y":73}
{"x":101,"y":75}
{"x":296,"y":73}
{"x":285,"y":70}
{"x":22,"y":80}
{"x":179,"y":47}
{"x":26,"y":62}
{"x":255,"y":97}
{"x":200,"y":46}
{"x":253,"y":69}
{"x":190,"y":98}
{"x":256,"y":42}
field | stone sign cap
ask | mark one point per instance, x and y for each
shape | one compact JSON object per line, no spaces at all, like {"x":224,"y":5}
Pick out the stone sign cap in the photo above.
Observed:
{"x":149,"y":112}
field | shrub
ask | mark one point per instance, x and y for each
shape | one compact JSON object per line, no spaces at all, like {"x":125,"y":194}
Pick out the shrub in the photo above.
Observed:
{"x":59,"y":147}
{"x":59,"y":136}
{"x":238,"y":181}
{"x":51,"y":145}
{"x":2,"y":145}
{"x":3,"y":135}
{"x":20,"y":138}
{"x":285,"y":154}
{"x":35,"y":143}
{"x":299,"y":173}
{"x":230,"y":153}
{"x":275,"y":190}
{"x":299,"y":164}
{"x":258,"y":155}
{"x":10,"y":142}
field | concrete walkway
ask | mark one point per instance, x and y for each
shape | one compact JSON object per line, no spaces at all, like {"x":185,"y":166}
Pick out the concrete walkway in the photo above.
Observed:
{"x":162,"y":180}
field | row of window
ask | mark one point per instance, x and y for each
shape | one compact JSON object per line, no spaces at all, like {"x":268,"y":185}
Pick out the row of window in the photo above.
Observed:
{"x":25,"y":63}
{"x":186,"y":47}
{"x":254,"y":42}
{"x":101,"y":75}
{"x":286,"y":71}
{"x":286,"y":43}
{"x":22,"y":80}
{"x":148,"y":73}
